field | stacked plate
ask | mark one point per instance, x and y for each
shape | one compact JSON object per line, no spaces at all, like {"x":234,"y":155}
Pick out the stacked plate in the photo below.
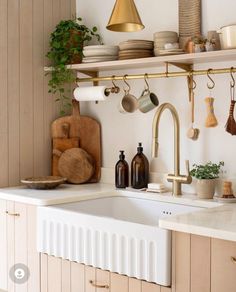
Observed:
{"x":100,"y":53}
{"x":134,"y":49}
{"x":166,"y":43}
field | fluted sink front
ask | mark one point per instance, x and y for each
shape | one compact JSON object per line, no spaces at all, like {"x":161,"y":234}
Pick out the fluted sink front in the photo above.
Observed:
{"x":117,"y":233}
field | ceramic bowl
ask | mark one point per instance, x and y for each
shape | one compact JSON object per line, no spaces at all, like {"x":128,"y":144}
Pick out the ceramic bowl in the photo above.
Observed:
{"x":101,"y":51}
{"x":161,"y":34}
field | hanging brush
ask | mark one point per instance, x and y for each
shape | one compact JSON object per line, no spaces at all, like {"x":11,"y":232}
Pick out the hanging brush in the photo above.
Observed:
{"x":230,"y":126}
{"x":211,"y":120}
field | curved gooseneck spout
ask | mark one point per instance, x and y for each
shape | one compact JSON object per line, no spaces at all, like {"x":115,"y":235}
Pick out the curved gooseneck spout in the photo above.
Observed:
{"x":177,"y":179}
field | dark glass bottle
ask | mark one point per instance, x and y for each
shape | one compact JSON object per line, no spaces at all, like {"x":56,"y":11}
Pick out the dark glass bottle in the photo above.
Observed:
{"x":139,"y":169}
{"x":122,"y":172}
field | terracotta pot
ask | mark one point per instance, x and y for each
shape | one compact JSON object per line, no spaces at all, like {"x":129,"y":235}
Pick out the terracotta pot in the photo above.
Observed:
{"x":206,"y":188}
{"x":77,"y":58}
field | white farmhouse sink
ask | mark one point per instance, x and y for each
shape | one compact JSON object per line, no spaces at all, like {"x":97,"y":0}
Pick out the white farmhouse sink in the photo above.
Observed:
{"x":116,"y":233}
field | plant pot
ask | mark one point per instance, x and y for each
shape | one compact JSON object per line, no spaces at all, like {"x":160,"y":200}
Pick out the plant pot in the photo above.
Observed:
{"x":76,"y":58}
{"x":206,"y":188}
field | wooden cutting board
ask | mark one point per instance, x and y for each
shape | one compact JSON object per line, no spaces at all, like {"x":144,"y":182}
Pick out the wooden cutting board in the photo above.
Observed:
{"x":62,"y":144}
{"x":88,"y":132}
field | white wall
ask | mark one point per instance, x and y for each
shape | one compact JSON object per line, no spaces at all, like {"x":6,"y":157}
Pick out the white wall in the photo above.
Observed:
{"x":125,"y":131}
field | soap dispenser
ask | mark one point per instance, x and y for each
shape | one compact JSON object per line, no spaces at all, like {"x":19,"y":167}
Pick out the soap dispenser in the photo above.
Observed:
{"x":139,"y":169}
{"x":122,"y":172}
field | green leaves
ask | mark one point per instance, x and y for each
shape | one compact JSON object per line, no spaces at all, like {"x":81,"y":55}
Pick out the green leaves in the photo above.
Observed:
{"x":66,"y":44}
{"x":207,"y":171}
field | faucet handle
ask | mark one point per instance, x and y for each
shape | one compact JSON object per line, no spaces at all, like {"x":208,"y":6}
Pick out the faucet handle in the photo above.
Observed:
{"x":187,"y":167}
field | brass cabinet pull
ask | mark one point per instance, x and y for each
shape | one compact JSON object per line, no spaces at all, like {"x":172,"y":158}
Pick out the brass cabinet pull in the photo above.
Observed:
{"x":233,"y":259}
{"x":12,"y":214}
{"x":98,"y":286}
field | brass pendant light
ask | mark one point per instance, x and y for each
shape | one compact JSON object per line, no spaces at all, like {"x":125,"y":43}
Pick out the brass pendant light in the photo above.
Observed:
{"x":125,"y":17}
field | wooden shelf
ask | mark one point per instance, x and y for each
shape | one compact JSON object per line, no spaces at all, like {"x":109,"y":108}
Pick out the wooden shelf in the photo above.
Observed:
{"x":196,"y":58}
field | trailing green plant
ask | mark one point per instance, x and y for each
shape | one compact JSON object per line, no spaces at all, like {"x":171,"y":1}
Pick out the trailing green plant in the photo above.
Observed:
{"x":66,"y":46}
{"x":207,"y":171}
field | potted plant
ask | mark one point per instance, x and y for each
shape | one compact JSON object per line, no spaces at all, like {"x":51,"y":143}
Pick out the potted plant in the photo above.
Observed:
{"x":206,"y":176}
{"x":66,"y":47}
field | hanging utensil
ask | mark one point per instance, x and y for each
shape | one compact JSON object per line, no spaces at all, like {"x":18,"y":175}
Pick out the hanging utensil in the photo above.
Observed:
{"x":231,"y":124}
{"x":192,"y":132}
{"x":211,"y":120}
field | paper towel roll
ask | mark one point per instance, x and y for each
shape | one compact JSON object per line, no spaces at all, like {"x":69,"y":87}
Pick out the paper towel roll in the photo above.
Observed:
{"x":91,"y":93}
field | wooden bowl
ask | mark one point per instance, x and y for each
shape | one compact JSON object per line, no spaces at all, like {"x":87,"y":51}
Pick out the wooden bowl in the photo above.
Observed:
{"x":43,"y":183}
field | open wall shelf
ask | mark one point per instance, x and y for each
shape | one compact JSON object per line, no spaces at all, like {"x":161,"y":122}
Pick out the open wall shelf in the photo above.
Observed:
{"x":189,"y":59}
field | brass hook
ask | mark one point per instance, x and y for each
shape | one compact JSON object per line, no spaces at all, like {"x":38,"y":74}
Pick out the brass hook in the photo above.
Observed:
{"x":124,"y":79}
{"x":167,"y":70}
{"x":213,"y":83}
{"x":145,"y":79}
{"x":232,"y":83}
{"x":116,"y":88}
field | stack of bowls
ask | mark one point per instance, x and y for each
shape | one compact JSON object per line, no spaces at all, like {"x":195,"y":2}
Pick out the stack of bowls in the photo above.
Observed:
{"x":134,"y":49}
{"x":100,"y":53}
{"x":166,"y":43}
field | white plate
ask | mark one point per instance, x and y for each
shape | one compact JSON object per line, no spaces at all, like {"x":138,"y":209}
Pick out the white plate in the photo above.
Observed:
{"x":101,"y":52}
{"x":99,"y":59}
{"x":224,"y":200}
{"x":100,"y":47}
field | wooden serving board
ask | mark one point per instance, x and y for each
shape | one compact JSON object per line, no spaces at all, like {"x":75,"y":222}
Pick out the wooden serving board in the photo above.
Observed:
{"x":84,"y":129}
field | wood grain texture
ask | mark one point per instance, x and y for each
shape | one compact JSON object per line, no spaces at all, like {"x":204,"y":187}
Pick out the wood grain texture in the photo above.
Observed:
{"x":26,"y":107}
{"x":200,"y":264}
{"x":119,"y":283}
{"x":103,"y":278}
{"x":3,"y":94}
{"x":135,"y":285}
{"x":150,"y":287}
{"x":54,"y":274}
{"x":87,"y":130}
{"x":182,"y":262}
{"x":223,"y":270}
{"x":77,"y":277}
{"x":3,"y":245}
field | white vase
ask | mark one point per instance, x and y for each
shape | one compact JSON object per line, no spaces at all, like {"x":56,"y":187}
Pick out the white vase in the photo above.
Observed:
{"x":206,"y":188}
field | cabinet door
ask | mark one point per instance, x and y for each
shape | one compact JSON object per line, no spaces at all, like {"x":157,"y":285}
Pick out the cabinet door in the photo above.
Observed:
{"x":3,"y":245}
{"x":119,"y":283}
{"x":223,"y":266}
{"x":21,"y":246}
{"x":149,"y":287}
{"x":103,"y":280}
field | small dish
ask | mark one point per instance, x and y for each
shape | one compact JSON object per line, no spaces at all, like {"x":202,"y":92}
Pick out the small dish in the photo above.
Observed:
{"x":43,"y":183}
{"x":225,"y":200}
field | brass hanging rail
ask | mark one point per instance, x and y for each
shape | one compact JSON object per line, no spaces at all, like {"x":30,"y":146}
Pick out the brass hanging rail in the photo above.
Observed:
{"x":158,"y":75}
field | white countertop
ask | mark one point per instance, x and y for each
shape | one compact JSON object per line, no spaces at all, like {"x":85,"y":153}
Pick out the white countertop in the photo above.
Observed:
{"x":73,"y":193}
{"x":218,"y":222}
{"x":63,"y":194}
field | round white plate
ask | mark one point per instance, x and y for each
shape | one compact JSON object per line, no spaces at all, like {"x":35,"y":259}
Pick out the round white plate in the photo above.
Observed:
{"x":101,"y":52}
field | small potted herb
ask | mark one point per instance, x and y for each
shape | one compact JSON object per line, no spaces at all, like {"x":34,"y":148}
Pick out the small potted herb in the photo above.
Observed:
{"x":66,"y":47}
{"x":206,"y":176}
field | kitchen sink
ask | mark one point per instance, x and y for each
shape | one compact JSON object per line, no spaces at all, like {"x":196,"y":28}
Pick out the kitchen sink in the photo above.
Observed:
{"x":116,"y":233}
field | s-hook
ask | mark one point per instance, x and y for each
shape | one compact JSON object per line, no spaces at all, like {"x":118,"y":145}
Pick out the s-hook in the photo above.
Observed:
{"x":212,"y":81}
{"x":232,"y":84}
{"x":145,"y":79}
{"x":115,"y":88}
{"x":125,"y":81}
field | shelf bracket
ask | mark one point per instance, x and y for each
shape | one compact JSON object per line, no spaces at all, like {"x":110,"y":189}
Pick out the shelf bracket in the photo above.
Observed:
{"x":187,"y":68}
{"x":92,"y":74}
{"x":184,"y":66}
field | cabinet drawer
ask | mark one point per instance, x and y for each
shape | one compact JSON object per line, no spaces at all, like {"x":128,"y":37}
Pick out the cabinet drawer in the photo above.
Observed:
{"x":223,"y":266}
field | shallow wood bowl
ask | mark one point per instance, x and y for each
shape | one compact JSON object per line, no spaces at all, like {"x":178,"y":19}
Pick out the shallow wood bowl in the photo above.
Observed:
{"x":43,"y":183}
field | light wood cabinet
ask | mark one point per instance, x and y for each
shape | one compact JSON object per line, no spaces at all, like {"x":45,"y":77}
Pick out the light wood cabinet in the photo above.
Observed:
{"x":18,"y":245}
{"x":223,"y":266}
{"x":75,"y":277}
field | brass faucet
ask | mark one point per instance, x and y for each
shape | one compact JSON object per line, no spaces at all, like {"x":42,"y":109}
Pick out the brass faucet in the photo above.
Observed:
{"x":177,"y":179}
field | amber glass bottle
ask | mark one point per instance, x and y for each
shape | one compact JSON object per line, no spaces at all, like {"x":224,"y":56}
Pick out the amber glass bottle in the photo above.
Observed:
{"x":122,"y":172}
{"x":139,"y":169}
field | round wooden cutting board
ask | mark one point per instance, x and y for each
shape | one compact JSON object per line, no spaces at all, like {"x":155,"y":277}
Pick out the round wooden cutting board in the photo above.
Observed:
{"x":76,"y":165}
